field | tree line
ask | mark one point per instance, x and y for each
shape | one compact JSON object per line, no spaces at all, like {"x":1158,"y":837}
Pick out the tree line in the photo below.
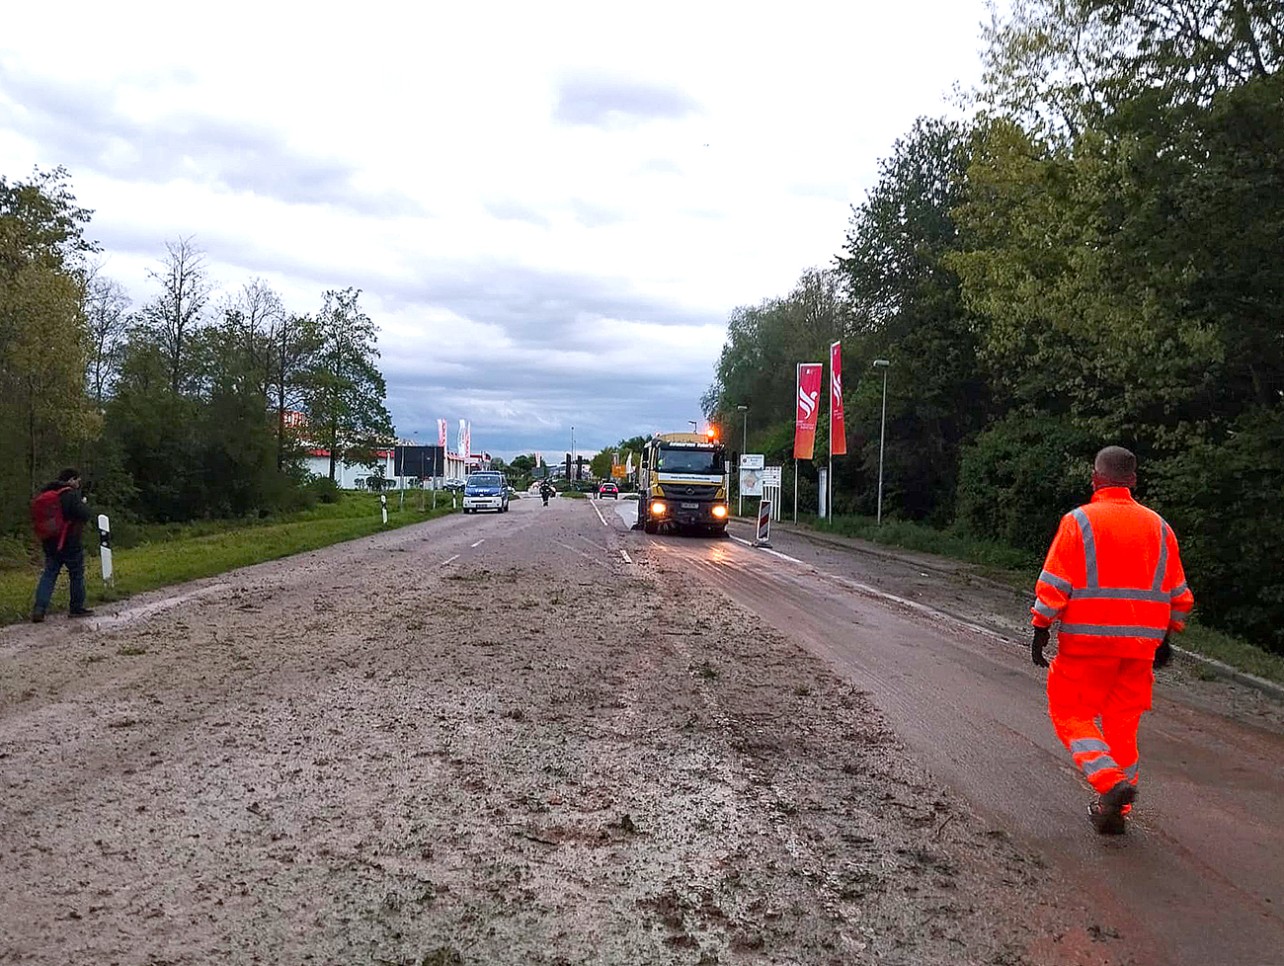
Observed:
{"x":181,"y":407}
{"x":1093,"y":256}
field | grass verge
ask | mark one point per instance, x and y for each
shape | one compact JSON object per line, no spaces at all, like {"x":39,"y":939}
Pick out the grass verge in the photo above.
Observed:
{"x":171,"y":554}
{"x":1017,"y":568}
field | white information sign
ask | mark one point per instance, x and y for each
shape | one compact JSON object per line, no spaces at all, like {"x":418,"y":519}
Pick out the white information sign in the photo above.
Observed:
{"x":752,"y":461}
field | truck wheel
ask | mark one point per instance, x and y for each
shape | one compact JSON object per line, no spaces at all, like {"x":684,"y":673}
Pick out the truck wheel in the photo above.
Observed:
{"x":650,"y":526}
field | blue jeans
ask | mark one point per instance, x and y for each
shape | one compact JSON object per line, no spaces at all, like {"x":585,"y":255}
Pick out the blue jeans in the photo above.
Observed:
{"x":73,"y":558}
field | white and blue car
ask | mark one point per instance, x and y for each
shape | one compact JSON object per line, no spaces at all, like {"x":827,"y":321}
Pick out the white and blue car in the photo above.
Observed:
{"x":486,"y":491}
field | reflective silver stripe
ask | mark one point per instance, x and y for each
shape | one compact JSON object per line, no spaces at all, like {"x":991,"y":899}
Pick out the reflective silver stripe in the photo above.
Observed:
{"x":1178,"y":613}
{"x":1097,"y":764}
{"x":1160,"y":567}
{"x":1089,"y":545}
{"x":1080,"y":745}
{"x":1112,"y":630}
{"x":1053,"y":580}
{"x":1132,"y":770}
{"x":1179,"y":590}
{"x":1044,"y":610}
{"x":1122,"y":593}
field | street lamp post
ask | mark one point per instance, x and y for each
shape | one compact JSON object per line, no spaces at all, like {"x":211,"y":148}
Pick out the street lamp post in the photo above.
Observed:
{"x":744,"y":448}
{"x":883,"y":364}
{"x":694,"y":425}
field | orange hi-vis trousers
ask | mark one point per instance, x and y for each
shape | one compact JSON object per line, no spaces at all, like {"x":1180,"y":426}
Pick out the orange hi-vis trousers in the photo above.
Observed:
{"x":1113,"y":691}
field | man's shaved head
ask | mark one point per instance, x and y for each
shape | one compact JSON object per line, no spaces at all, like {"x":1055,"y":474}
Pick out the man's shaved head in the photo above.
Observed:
{"x":1116,"y":466}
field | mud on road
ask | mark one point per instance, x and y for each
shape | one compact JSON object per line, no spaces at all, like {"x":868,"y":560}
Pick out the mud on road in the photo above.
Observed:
{"x":370,"y":755}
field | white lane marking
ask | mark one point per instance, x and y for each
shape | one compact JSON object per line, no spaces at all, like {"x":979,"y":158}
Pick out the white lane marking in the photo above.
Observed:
{"x":625,"y":554}
{"x":593,"y":504}
{"x":128,"y":614}
{"x":473,"y":546}
{"x":882,"y":594}
{"x":774,"y":553}
{"x":567,"y":546}
{"x":448,"y":560}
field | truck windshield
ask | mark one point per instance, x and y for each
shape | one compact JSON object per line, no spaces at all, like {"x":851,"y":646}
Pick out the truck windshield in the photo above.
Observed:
{"x":707,"y":462}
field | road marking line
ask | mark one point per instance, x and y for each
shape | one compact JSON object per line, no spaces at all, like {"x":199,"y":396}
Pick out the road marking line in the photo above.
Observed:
{"x":625,"y":554}
{"x":448,"y":560}
{"x":593,"y":504}
{"x":473,"y":546}
{"x":884,"y":595}
{"x":567,"y":546}
{"x":774,"y":553}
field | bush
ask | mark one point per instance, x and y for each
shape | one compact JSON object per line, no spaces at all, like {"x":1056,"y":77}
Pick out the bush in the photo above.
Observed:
{"x":324,"y":489}
{"x":1019,"y":478}
{"x":1223,"y":501}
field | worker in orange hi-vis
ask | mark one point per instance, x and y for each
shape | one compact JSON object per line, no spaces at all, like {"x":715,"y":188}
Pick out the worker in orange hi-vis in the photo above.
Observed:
{"x":1113,"y":577}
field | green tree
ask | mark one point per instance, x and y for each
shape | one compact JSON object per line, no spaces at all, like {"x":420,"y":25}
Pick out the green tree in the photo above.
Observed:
{"x":107,"y":321}
{"x":906,"y":306}
{"x":175,"y":316}
{"x":43,"y":345}
{"x":345,"y":391}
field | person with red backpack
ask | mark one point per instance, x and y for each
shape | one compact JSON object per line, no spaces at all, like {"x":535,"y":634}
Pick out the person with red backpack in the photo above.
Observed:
{"x":58,"y":516}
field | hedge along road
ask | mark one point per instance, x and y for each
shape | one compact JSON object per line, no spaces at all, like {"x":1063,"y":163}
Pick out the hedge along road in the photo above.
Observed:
{"x":1198,"y":878}
{"x":518,"y":738}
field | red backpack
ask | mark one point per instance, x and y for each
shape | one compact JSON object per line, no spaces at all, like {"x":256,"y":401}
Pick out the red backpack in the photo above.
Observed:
{"x":46,"y":515}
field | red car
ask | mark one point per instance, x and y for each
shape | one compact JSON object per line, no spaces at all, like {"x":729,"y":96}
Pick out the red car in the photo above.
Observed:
{"x":608,"y":489}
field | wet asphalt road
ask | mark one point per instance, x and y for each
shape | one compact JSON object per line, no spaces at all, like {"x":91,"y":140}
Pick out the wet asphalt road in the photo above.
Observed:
{"x":1200,"y":877}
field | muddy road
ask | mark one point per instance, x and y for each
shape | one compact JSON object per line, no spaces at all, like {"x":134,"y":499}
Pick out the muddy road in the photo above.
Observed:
{"x":540,"y":738}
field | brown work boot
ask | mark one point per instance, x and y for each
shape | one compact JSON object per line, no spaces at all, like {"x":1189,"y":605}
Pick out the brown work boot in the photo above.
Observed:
{"x":1106,"y":813}
{"x":83,"y":612}
{"x":37,"y":616}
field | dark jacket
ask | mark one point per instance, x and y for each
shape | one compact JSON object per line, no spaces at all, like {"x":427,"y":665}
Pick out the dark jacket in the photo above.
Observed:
{"x":75,"y":510}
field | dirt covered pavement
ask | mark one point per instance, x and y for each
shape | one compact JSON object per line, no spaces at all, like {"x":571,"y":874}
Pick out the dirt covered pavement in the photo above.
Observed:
{"x":481,"y":740}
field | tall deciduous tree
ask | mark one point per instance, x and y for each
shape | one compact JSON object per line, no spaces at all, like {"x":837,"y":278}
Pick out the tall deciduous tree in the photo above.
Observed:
{"x":906,"y":307}
{"x":295,"y":341}
{"x":174,"y":316}
{"x":43,"y":416}
{"x":345,"y":389}
{"x":107,"y":321}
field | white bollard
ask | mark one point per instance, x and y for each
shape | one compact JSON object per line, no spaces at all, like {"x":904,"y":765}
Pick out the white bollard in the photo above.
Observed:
{"x":104,"y":547}
{"x":383,"y":507}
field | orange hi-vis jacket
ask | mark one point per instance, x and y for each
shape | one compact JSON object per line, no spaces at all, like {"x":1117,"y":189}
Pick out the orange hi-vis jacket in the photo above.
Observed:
{"x":1114,"y":578}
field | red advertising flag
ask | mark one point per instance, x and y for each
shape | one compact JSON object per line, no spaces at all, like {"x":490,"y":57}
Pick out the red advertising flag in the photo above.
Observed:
{"x":810,"y":375}
{"x":837,"y":431}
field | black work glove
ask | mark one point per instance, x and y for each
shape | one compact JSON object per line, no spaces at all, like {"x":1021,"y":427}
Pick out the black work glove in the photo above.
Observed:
{"x":1037,"y":644}
{"x":1163,"y":653}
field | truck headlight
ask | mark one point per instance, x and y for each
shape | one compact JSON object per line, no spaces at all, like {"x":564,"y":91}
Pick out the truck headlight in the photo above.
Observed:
{"x":719,"y":511}
{"x":658,"y":508}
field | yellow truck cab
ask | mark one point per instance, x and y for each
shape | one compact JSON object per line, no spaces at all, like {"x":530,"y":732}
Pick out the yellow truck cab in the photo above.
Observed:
{"x":683,"y":483}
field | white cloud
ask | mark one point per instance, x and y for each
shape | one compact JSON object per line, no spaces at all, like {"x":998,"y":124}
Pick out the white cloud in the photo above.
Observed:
{"x":551,"y":209}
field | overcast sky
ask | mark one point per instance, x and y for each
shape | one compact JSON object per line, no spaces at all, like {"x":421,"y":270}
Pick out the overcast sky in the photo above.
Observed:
{"x":551,"y":208}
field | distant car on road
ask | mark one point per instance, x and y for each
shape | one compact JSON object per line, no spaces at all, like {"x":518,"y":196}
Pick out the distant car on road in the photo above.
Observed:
{"x":457,"y":485}
{"x":486,"y":491}
{"x":608,"y":489}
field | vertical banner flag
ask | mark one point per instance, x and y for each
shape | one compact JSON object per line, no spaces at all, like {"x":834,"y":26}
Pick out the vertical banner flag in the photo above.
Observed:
{"x":808,"y":408}
{"x":468,"y":440}
{"x":441,"y":433}
{"x":837,"y":431}
{"x":459,"y":441}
